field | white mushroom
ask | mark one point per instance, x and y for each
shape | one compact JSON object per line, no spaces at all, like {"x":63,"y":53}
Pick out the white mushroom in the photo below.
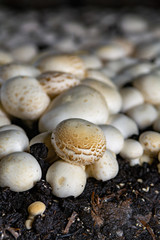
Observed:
{"x":62,"y":63}
{"x":14,"y":69}
{"x":24,"y":53}
{"x":78,"y":102}
{"x":19,"y":171}
{"x":11,"y":127}
{"x":132,"y":149}
{"x":100,"y":76}
{"x":149,"y":86}
{"x":105,"y":169}
{"x":91,"y":61}
{"x":112,"y":96}
{"x":124,"y":124}
{"x":54,"y":83}
{"x":144,"y":115}
{"x":13,"y":141}
{"x":78,"y":141}
{"x":131,"y":97}
{"x":5,"y":57}
{"x":150,"y":141}
{"x":114,"y":138}
{"x":147,"y":50}
{"x":23,"y":97}
{"x":66,"y":179}
{"x":145,"y":158}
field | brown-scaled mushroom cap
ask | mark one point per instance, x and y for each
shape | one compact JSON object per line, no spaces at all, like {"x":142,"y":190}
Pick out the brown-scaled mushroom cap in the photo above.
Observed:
{"x":78,"y":141}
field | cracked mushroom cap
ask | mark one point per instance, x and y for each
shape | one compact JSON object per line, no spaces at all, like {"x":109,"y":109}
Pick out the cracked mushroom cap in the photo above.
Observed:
{"x":78,"y":141}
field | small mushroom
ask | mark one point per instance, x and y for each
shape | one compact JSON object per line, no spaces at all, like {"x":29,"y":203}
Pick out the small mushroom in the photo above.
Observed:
{"x":105,"y":168}
{"x":12,"y":141}
{"x":149,"y":86}
{"x":24,"y":98}
{"x":150,"y":141}
{"x":131,"y":97}
{"x":78,"y":141}
{"x":132,"y":150}
{"x":14,"y":69}
{"x":114,"y":138}
{"x":62,"y":63}
{"x":91,"y":61}
{"x":124,"y":124}
{"x":66,"y":179}
{"x":5,"y":57}
{"x":34,"y":209}
{"x":144,"y":115}
{"x":19,"y":171}
{"x":54,"y":83}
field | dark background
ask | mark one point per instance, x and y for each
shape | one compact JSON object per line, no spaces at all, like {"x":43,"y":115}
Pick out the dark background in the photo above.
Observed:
{"x":23,"y":4}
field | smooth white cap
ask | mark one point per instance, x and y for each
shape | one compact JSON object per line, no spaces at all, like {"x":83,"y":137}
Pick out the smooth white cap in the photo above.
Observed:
{"x":104,"y":169}
{"x":131,"y":97}
{"x":19,"y":171}
{"x":66,"y":179}
{"x":144,"y":115}
{"x":111,"y":95}
{"x":13,"y":141}
{"x":124,"y":124}
{"x":132,"y":149}
{"x":114,"y":138}
{"x":78,"y":102}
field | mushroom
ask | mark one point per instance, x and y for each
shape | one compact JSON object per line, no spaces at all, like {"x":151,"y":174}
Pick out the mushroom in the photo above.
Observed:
{"x":78,"y":141}
{"x":24,"y":98}
{"x":14,"y":69}
{"x":66,"y":179}
{"x":34,"y":209}
{"x":54,"y":83}
{"x":78,"y":102}
{"x":19,"y":171}
{"x":5,"y":57}
{"x":114,"y":138}
{"x":124,"y":124}
{"x":12,"y":141}
{"x":99,"y":76}
{"x":91,"y":61}
{"x":62,"y":63}
{"x":131,"y":97}
{"x":132,"y":150}
{"x":150,"y":141}
{"x":149,"y":86}
{"x":111,"y":95}
{"x":105,"y":168}
{"x":144,"y":115}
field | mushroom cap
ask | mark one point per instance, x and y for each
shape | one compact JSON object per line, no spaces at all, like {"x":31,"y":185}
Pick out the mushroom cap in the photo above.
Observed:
{"x":13,"y":141}
{"x":78,"y":141}
{"x":111,"y":95}
{"x":132,"y":149}
{"x":150,"y":141}
{"x":55,"y":83}
{"x":114,"y":138}
{"x":78,"y":102}
{"x":149,"y":86}
{"x":24,"y":52}
{"x":14,"y":69}
{"x":105,"y":168}
{"x":66,"y":179}
{"x":19,"y":171}
{"x":36,"y":208}
{"x":23,"y":97}
{"x":63,"y":63}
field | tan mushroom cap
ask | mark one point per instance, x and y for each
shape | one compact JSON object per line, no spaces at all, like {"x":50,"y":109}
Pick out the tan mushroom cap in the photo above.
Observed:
{"x":55,"y":83}
{"x":78,"y":141}
{"x":36,"y":208}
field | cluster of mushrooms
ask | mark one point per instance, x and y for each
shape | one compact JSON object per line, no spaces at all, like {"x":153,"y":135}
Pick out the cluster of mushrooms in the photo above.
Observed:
{"x":88,"y":105}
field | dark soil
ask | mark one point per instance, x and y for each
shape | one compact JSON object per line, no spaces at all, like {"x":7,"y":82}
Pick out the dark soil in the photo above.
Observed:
{"x":127,"y":207}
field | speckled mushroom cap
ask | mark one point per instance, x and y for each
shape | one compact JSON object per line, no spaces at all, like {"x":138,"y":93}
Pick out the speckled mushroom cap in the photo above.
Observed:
{"x":78,"y":141}
{"x":63,"y":63}
{"x":55,"y":83}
